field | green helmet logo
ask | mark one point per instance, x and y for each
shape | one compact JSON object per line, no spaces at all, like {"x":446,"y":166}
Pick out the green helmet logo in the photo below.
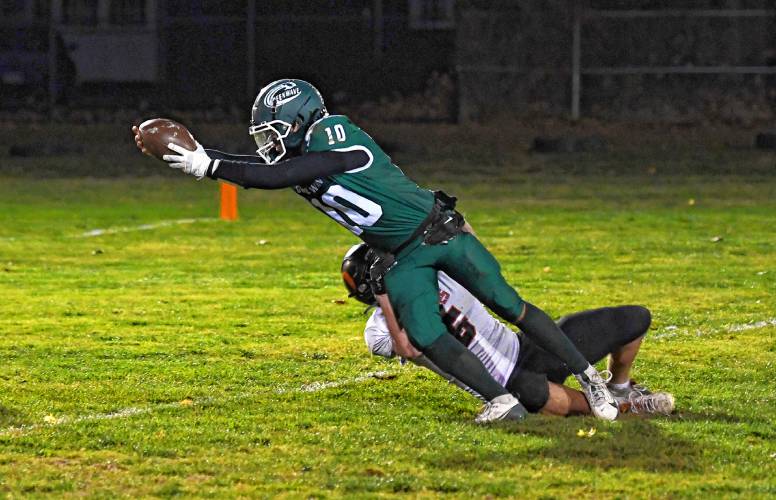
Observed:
{"x":281,"y":115}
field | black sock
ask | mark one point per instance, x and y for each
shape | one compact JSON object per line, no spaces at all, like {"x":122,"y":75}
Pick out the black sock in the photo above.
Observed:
{"x":452,"y":357}
{"x":541,"y":329}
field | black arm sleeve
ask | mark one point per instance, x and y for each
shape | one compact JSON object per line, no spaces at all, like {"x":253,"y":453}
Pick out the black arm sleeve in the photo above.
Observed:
{"x":452,"y":357}
{"x":220,"y":155}
{"x":252,"y":172}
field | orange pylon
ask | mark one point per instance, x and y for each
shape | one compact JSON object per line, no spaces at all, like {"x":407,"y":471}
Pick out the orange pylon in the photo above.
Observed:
{"x":228,"y":201}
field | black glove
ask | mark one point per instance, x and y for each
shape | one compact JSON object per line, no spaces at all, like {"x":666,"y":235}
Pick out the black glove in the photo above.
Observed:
{"x":445,"y":200}
{"x":381,"y":264}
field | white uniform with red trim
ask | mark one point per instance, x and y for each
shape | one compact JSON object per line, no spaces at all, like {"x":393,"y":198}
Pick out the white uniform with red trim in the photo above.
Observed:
{"x":496,"y":345}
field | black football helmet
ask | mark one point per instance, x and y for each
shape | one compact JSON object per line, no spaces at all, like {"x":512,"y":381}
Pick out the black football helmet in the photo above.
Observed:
{"x":355,"y":273}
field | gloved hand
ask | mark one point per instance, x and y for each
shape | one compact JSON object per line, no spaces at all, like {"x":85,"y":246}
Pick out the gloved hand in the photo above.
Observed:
{"x":193,"y":163}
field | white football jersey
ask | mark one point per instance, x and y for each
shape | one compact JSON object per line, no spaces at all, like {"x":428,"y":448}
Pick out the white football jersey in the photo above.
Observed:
{"x":466,"y":318}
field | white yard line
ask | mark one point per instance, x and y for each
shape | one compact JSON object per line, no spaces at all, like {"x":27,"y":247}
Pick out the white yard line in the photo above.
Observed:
{"x":673,"y":331}
{"x":125,"y":229}
{"x":51,"y":421}
{"x":752,"y":326}
{"x":142,"y":227}
{"x":319,"y":386}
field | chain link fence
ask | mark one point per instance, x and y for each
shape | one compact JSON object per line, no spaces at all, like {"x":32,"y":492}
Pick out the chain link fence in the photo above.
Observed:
{"x":715,"y":61}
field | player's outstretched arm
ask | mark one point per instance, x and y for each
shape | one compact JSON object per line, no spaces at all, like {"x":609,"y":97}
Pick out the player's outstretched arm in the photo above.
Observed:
{"x":252,"y":172}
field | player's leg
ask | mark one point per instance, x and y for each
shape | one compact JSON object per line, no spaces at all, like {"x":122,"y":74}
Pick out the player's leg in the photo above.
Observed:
{"x":618,"y":330}
{"x":564,"y":401}
{"x":621,"y":361}
{"x":595,"y":333}
{"x":538,"y":395}
{"x":609,"y":330}
{"x":468,"y":262}
{"x":413,"y":290}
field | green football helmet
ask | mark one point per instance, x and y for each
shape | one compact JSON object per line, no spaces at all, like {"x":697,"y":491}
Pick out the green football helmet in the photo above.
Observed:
{"x":278,"y":108}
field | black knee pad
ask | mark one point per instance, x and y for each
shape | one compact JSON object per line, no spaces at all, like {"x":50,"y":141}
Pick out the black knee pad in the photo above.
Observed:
{"x":644,"y":318}
{"x":530,"y":388}
{"x":635,"y":320}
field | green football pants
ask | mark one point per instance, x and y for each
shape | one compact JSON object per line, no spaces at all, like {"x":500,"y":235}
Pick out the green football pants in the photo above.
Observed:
{"x":413,"y":288}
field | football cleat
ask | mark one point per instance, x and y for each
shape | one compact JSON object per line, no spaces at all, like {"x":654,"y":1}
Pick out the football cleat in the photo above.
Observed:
{"x":504,"y":407}
{"x":622,"y":395}
{"x":602,"y":403}
{"x":659,"y":403}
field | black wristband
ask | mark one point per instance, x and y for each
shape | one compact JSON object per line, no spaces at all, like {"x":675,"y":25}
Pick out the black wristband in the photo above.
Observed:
{"x":212,"y":168}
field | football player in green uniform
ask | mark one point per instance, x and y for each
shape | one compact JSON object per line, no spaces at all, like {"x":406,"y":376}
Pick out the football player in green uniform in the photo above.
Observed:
{"x":343,"y":173}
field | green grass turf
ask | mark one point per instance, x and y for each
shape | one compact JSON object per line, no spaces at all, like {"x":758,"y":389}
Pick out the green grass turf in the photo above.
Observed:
{"x":204,"y":340}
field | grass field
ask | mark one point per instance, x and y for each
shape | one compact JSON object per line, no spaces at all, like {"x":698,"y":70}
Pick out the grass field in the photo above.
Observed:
{"x":175,"y":354}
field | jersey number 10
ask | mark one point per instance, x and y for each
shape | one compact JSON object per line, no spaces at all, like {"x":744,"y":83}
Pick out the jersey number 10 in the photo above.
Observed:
{"x":362,"y":212}
{"x":346,"y":207}
{"x":339,"y":133}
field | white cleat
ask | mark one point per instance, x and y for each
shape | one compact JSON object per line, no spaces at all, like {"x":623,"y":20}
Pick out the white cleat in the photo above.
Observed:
{"x":601,"y":402}
{"x":504,"y":407}
{"x":623,"y":395}
{"x":659,"y":403}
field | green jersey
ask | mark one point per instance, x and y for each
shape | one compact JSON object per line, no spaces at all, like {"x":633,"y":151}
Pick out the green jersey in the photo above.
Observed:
{"x":376,"y":202}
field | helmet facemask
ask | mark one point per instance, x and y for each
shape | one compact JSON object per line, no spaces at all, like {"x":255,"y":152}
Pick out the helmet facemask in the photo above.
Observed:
{"x":269,"y":137}
{"x":359,"y":289}
{"x":355,"y":274}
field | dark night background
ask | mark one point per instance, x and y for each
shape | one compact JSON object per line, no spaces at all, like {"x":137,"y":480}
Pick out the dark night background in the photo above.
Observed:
{"x":395,"y":60}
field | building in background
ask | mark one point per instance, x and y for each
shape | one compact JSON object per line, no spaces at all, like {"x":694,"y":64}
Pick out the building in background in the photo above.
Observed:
{"x":205,"y":52}
{"x":50,"y":48}
{"x":110,"y":40}
{"x":643,"y":59}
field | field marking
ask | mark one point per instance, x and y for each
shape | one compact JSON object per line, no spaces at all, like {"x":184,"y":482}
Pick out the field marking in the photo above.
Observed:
{"x":51,"y":421}
{"x":142,"y":227}
{"x":673,"y":330}
{"x":319,"y":386}
{"x":752,"y":326}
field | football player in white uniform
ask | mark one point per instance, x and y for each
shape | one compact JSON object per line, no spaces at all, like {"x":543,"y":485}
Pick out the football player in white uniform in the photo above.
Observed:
{"x":526,"y":370}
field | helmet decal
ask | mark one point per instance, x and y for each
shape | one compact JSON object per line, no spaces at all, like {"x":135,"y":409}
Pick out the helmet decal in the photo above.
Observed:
{"x":281,"y":94}
{"x":349,"y":281}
